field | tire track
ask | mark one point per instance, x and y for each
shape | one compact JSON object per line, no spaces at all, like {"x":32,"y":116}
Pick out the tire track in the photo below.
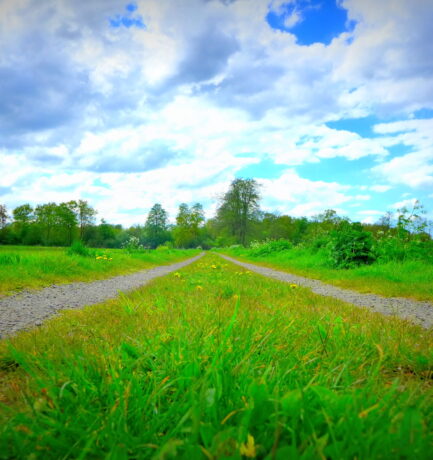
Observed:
{"x":418,"y":312}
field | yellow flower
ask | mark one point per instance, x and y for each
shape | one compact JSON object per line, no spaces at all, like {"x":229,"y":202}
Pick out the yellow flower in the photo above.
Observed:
{"x":248,"y":449}
{"x":293,"y":286}
{"x":199,"y":288}
{"x":177,"y":274}
{"x":98,"y":257}
{"x":213,"y":266}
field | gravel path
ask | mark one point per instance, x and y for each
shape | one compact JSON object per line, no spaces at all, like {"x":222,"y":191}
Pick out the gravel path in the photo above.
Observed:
{"x":28,"y":309}
{"x":418,"y":312}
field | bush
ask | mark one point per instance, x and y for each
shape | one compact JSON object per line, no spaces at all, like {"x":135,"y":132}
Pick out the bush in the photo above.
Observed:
{"x":350,"y":246}
{"x":162,"y":247}
{"x":77,"y":248}
{"x":391,"y":248}
{"x":267,"y":247}
{"x":132,"y":244}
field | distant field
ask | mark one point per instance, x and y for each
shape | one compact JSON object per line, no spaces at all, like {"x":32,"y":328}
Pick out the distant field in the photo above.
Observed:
{"x":29,"y":267}
{"x":216,"y":362}
{"x":413,"y":279}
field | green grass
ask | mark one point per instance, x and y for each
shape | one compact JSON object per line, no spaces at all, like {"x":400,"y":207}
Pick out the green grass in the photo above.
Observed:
{"x":412,"y":278}
{"x":29,"y":267}
{"x":216,"y":362}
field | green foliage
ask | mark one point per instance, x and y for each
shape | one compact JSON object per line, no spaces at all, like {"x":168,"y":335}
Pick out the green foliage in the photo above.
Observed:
{"x":156,"y":228}
{"x":350,"y":246}
{"x":269,"y":247}
{"x":132,"y":244}
{"x":24,"y":267}
{"x":188,"y":224}
{"x":77,"y":248}
{"x":239,"y":208}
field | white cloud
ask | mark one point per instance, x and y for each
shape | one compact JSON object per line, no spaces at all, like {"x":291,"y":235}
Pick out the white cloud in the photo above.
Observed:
{"x":414,"y":169}
{"x":171,"y":112}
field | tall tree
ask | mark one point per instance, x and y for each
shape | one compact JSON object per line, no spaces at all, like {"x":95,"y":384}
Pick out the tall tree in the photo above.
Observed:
{"x":23,"y":216}
{"x":156,"y":226}
{"x":46,"y":217}
{"x":188,"y":223}
{"x":66,"y":218}
{"x":85,"y":214}
{"x":3,"y":215}
{"x":239,"y":207}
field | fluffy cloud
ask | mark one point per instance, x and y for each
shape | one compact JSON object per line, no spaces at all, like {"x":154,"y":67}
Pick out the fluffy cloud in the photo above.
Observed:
{"x":414,"y":169}
{"x":171,"y":105}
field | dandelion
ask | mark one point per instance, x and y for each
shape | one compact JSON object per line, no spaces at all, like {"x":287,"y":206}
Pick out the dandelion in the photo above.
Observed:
{"x":177,"y":275}
{"x":213,"y":266}
{"x":293,"y":286}
{"x":248,"y":449}
{"x":199,"y":288}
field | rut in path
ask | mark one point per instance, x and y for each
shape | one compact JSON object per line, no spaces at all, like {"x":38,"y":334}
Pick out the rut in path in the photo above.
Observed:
{"x":31,"y":308}
{"x":420,"y":313}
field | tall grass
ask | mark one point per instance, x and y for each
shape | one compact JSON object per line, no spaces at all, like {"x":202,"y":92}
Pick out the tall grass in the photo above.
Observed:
{"x":215,"y":362}
{"x":409,"y":278}
{"x":35,"y":267}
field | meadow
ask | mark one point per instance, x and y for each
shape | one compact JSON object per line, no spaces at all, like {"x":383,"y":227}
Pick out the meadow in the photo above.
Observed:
{"x":216,"y":362}
{"x":407,"y":278}
{"x":30,"y":267}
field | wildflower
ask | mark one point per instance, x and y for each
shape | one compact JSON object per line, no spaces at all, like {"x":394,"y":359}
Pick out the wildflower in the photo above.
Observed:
{"x":213,"y":266}
{"x":248,"y":449}
{"x":199,"y":288}
{"x":177,"y":274}
{"x":293,"y":286}
{"x":99,"y":257}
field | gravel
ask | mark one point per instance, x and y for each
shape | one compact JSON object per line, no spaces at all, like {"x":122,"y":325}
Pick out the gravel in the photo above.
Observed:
{"x":31,"y":308}
{"x":420,"y":313}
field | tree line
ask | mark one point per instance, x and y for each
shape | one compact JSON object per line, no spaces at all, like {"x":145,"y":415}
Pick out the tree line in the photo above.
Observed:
{"x":238,"y":220}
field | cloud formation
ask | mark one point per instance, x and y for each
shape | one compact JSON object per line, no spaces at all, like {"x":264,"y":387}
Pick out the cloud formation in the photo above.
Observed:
{"x":182,"y":98}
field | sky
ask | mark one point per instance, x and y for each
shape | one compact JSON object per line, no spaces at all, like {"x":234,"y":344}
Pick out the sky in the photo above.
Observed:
{"x":328,"y":104}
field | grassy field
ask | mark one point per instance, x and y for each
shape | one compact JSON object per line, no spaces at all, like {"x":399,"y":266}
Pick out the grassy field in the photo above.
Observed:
{"x":412,"y":279}
{"x":30,"y":267}
{"x":216,"y":362}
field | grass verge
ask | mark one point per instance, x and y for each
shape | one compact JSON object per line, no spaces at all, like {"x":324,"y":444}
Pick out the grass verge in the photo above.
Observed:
{"x":217,"y":362}
{"x":411,"y":279}
{"x":27,"y":267}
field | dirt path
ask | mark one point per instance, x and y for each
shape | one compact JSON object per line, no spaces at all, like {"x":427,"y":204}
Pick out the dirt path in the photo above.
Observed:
{"x":418,"y":312}
{"x":31,"y":308}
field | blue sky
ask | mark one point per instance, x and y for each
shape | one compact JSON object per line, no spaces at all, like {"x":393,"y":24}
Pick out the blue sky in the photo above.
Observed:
{"x":328,"y":104}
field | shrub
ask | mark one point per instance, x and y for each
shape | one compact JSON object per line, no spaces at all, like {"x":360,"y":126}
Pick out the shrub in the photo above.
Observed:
{"x":267,"y":247}
{"x":162,"y":247}
{"x":350,"y":246}
{"x":77,"y":248}
{"x":132,"y":244}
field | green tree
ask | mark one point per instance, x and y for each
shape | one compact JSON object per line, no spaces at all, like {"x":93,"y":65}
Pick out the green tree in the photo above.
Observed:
{"x":188,"y":224}
{"x":156,"y":228}
{"x":23,"y":217}
{"x":66,"y":219}
{"x":85,"y":215}
{"x":46,"y":217}
{"x":239,"y":207}
{"x":23,"y":214}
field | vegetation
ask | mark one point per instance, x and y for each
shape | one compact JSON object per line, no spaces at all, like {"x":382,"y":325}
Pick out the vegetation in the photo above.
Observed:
{"x":393,"y":278}
{"x":34,"y":267}
{"x":206,"y":365}
{"x":367,"y":257}
{"x":238,"y":209}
